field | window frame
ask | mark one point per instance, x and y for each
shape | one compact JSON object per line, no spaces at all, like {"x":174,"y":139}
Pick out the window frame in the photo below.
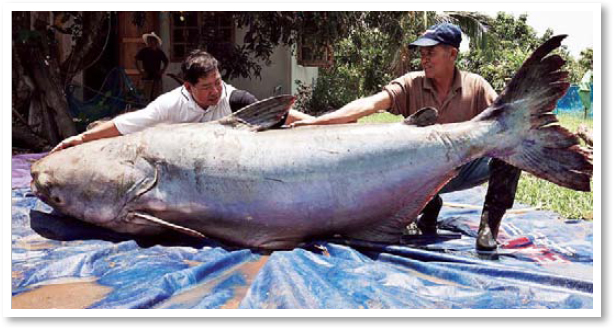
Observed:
{"x":311,"y":44}
{"x":200,"y":19}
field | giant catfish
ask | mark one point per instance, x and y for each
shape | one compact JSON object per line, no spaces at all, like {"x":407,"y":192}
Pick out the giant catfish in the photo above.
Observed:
{"x":239,"y":182}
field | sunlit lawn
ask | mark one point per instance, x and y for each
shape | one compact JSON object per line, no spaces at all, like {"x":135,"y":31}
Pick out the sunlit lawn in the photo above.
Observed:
{"x":531,"y":190}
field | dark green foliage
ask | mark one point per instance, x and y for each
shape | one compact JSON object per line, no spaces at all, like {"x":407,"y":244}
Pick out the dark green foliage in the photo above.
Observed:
{"x":586,"y":59}
{"x":374,"y":52}
{"x":510,"y":42}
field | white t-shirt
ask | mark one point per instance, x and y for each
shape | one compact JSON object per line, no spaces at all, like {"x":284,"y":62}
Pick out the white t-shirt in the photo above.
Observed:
{"x":176,"y":106}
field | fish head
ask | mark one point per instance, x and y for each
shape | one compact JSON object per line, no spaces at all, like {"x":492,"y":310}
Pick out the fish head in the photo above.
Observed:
{"x":90,"y":188}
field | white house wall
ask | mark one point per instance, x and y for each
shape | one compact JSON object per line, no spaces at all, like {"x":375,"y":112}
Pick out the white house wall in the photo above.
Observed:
{"x":279,"y":77}
{"x":168,"y":83}
{"x":274,"y":79}
{"x":307,"y":75}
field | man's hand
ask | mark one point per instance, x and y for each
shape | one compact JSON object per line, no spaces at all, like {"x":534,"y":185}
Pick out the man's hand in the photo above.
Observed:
{"x":103,"y":130}
{"x":310,"y":121}
{"x":68,"y":142}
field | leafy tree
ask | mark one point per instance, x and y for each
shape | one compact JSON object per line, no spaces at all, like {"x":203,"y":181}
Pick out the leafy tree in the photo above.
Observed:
{"x":364,"y":60}
{"x":586,"y":59}
{"x":510,"y":42}
{"x":40,"y":109}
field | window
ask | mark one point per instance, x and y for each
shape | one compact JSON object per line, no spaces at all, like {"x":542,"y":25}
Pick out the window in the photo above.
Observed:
{"x":190,"y":30}
{"x":312,"y":52}
{"x":185,"y":31}
{"x":218,"y":27}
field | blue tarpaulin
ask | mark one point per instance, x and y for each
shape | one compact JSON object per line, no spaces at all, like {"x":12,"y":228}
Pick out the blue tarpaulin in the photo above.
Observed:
{"x":543,"y":262}
{"x":572,"y":103}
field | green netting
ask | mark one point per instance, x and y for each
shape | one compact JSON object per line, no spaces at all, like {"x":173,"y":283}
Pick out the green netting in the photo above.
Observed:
{"x":116,"y":95}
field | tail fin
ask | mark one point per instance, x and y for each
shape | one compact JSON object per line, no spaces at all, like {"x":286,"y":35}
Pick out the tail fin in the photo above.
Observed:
{"x":534,"y":141}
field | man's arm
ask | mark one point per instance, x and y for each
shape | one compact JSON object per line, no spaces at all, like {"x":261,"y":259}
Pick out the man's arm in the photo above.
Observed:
{"x":104,"y":130}
{"x":139,"y":67}
{"x":138,"y":60}
{"x":239,"y":99}
{"x":352,"y":111}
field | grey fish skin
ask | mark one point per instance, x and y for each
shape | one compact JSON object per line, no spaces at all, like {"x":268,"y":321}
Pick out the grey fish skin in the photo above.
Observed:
{"x":274,"y":189}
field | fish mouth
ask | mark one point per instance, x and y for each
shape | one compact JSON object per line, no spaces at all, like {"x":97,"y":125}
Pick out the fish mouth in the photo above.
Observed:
{"x":38,"y":191}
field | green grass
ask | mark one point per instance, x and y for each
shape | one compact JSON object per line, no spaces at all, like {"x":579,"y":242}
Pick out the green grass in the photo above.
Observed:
{"x":573,"y":121}
{"x":534,"y":191}
{"x":384,"y":117}
{"x":548,"y":196}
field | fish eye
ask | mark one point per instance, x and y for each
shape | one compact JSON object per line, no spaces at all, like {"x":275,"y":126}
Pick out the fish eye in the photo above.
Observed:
{"x":56,"y":199}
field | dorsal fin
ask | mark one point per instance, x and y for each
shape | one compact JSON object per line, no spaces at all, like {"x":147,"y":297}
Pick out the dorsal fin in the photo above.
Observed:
{"x":423,"y":117}
{"x":261,"y":115}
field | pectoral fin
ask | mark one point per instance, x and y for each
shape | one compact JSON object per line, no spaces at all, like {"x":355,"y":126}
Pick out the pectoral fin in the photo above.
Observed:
{"x":143,"y":178}
{"x":160,"y":222}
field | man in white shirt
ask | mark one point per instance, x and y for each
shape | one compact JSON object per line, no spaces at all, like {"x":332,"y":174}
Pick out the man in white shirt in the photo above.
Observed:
{"x":203,"y":97}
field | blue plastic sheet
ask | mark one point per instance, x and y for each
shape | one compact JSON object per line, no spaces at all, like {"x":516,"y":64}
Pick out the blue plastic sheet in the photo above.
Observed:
{"x":572,"y":103}
{"x":542,"y":262}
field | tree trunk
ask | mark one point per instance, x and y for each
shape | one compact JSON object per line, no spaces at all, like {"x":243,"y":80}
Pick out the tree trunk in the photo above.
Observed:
{"x":36,"y":57}
{"x":46,"y":75}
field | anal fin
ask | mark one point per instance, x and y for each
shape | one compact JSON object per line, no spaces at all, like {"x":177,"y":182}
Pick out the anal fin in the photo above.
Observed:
{"x":389,"y":230}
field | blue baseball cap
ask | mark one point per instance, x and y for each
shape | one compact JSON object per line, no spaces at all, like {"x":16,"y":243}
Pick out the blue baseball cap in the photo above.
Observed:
{"x":444,"y":33}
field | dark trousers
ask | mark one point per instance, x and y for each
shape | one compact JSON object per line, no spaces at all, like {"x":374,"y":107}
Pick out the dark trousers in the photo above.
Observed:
{"x":152,"y":88}
{"x":502,"y":181}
